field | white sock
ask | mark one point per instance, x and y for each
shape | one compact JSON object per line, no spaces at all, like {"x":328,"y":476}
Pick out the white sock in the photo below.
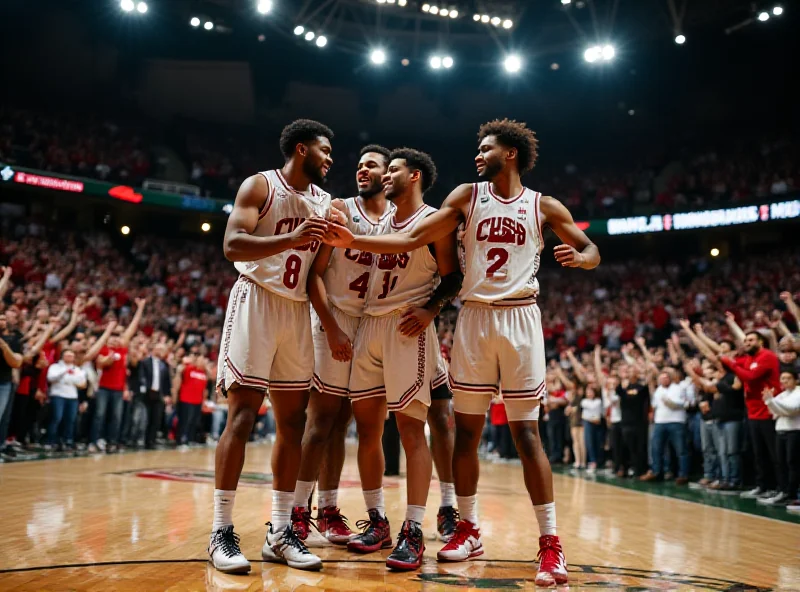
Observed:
{"x":373,"y":498}
{"x":546,"y":517}
{"x":302,"y":491}
{"x":327,"y":499}
{"x":223,"y":509}
{"x":415,"y":513}
{"x":448,"y":494}
{"x":282,"y":502}
{"x":468,"y":508}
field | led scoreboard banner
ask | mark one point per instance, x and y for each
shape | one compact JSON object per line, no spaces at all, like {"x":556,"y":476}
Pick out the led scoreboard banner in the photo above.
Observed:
{"x":750,"y":214}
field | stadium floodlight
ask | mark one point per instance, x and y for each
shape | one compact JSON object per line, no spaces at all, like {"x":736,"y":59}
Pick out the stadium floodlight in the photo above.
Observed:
{"x":777,"y":11}
{"x":322,"y":41}
{"x":592,"y":54}
{"x":141,"y":7}
{"x":508,"y":23}
{"x":205,"y":227}
{"x":208,"y":25}
{"x":434,"y":10}
{"x":309,"y":36}
{"x":127,"y":5}
{"x":444,"y":12}
{"x":512,"y":63}
{"x":565,"y":2}
{"x":377,"y":57}
{"x":299,"y":30}
{"x":715,"y":252}
{"x":436,"y":62}
{"x":495,"y":20}
{"x":763,"y":16}
{"x":476,"y":17}
{"x":264,"y":6}
{"x":484,"y":18}
{"x":608,"y":52}
{"x":402,"y":2}
{"x":680,"y":39}
{"x":126,"y":230}
{"x":447,"y":62}
{"x":381,"y":1}
{"x":195,"y":22}
{"x":426,"y":8}
{"x":453,"y":13}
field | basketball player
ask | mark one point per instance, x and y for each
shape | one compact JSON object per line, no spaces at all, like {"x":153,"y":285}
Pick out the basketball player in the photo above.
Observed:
{"x":498,"y":343}
{"x":395,"y":357}
{"x":272,"y":236}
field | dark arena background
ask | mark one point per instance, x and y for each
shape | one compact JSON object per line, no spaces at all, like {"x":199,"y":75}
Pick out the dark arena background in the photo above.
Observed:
{"x":669,"y":130}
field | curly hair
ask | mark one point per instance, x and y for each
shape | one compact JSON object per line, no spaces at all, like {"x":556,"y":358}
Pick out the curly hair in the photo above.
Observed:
{"x":417,"y":161}
{"x":377,"y":149}
{"x":302,"y":131}
{"x":514,"y":134}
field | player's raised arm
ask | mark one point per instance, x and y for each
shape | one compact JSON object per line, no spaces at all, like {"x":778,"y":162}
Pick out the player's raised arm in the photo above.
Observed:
{"x":241,"y":245}
{"x":435,"y":227}
{"x":577,"y":250}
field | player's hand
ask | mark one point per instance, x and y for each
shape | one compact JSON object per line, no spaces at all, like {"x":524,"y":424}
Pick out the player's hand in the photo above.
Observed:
{"x":312,"y":229}
{"x":339,"y":342}
{"x":568,"y":256}
{"x":414,"y":321}
{"x":337,"y":213}
{"x":338,"y":236}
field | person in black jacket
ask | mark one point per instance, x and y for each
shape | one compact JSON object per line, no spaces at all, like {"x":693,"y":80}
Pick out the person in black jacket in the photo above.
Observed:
{"x":634,"y":403}
{"x":155,"y":383}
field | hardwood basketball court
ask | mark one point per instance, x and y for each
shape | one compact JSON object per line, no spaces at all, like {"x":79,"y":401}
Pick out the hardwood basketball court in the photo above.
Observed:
{"x":140,"y":521}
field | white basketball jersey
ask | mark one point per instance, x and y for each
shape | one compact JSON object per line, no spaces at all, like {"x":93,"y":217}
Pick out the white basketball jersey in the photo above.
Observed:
{"x":285,"y":209}
{"x":503,"y":244}
{"x":402,"y":280}
{"x":347,"y":277}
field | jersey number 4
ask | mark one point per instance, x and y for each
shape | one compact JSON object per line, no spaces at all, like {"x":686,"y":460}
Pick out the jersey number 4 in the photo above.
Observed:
{"x":361,"y":284}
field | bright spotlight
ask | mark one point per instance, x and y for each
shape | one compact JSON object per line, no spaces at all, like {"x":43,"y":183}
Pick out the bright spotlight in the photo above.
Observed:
{"x":195,"y":22}
{"x":680,"y":39}
{"x":444,"y":12}
{"x":592,"y":54}
{"x":322,"y":41}
{"x":434,"y":10}
{"x":381,"y":1}
{"x":402,"y":2}
{"x":125,"y":230}
{"x":763,"y":16}
{"x":426,"y":8}
{"x":264,"y":6}
{"x":565,"y":2}
{"x":495,"y":20}
{"x":447,"y":62}
{"x":508,"y":23}
{"x":777,"y":11}
{"x":309,"y":36}
{"x":484,"y":18}
{"x":205,"y":227}
{"x":377,"y":57}
{"x":608,"y":52}
{"x":299,"y":30}
{"x":476,"y":17}
{"x":208,"y":25}
{"x":715,"y":252}
{"x":127,"y":5}
{"x":512,"y":64}
{"x":453,"y":13}
{"x":436,"y":62}
{"x":141,"y":7}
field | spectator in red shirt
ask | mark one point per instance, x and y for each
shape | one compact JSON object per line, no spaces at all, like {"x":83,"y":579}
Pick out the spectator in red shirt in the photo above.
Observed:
{"x":113,"y":361}
{"x":759,"y":370}
{"x":191,"y":380}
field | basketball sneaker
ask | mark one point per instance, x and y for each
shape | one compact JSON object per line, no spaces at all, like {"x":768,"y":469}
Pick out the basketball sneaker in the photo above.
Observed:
{"x":552,"y":564}
{"x":407,"y":554}
{"x":465,"y":543}
{"x":375,"y":534}
{"x":286,"y":547}
{"x":333,"y":526}
{"x":446,"y":521}
{"x":753,"y":493}
{"x":224,"y":552}
{"x":305,"y":529}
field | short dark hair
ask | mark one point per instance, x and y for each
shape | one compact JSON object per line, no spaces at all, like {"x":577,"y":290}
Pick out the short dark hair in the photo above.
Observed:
{"x":377,"y":149}
{"x":730,"y":343}
{"x":758,"y":334}
{"x":514,"y":134}
{"x":417,"y":161}
{"x":302,"y":131}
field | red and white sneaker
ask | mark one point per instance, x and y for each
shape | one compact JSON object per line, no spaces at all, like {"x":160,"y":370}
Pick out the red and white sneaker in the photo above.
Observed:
{"x":333,"y":526}
{"x":552,"y":563}
{"x":465,"y":544}
{"x":305,"y":529}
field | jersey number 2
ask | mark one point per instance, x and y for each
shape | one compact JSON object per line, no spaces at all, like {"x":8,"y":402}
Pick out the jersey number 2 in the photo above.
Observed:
{"x":292,"y":275}
{"x":500,"y":257}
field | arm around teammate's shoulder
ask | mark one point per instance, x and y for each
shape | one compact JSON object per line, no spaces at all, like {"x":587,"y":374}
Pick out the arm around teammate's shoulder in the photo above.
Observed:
{"x":241,"y":245}
{"x":577,"y":250}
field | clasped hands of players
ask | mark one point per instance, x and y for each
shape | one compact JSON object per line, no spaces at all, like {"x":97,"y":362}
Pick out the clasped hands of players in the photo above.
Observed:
{"x":314,"y":229}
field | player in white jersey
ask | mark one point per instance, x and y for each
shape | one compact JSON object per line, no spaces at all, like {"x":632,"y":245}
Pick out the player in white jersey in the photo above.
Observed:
{"x":272,"y":236}
{"x":395,"y":357}
{"x":337,"y":286}
{"x":498,"y":344}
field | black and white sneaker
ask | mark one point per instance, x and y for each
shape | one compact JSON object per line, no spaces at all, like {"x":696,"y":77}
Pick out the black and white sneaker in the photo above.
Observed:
{"x":286,"y":547}
{"x":224,"y":552}
{"x":446,"y":521}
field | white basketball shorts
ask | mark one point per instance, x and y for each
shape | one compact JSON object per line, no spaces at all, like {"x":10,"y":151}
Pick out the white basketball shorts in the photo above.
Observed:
{"x":332,"y":377}
{"x":266,"y":341}
{"x":498,"y":349}
{"x":388,"y":364}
